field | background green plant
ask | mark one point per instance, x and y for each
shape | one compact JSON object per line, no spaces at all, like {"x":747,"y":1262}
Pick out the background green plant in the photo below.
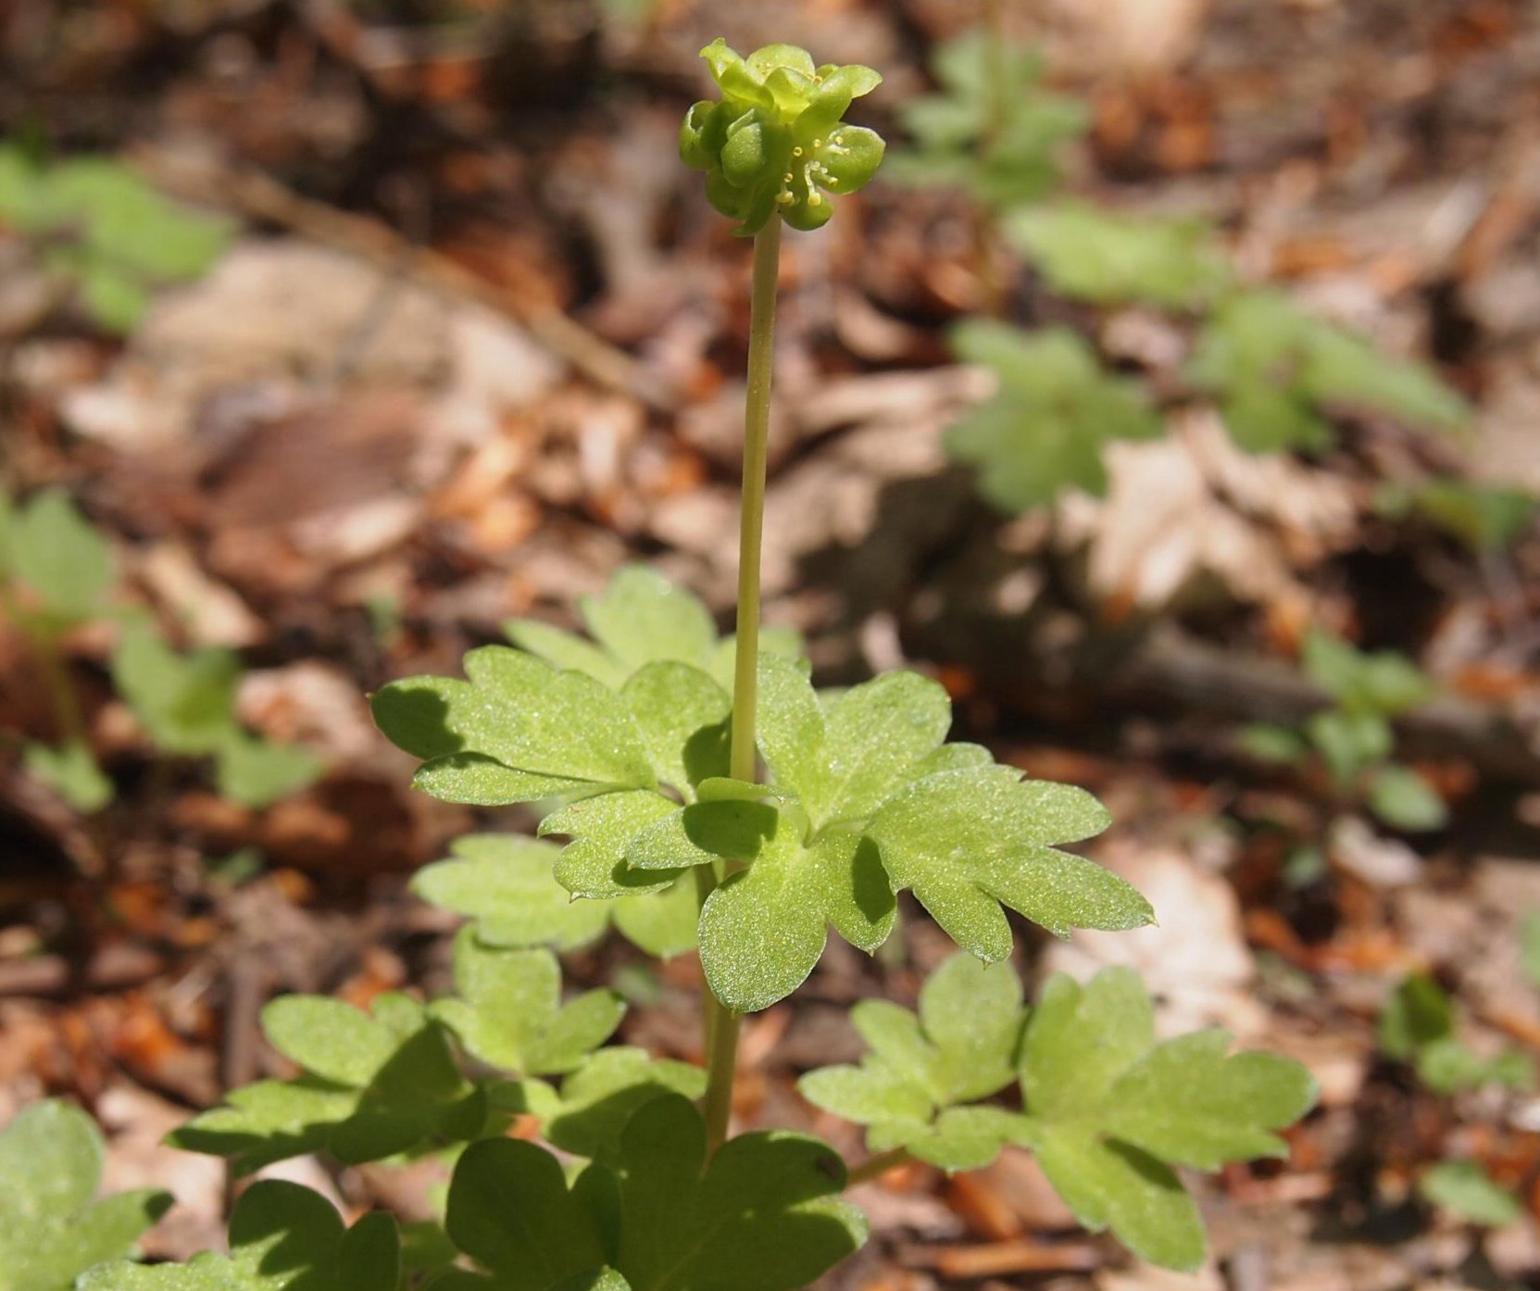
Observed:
{"x":1354,"y":738}
{"x":104,"y":234}
{"x":56,"y":574}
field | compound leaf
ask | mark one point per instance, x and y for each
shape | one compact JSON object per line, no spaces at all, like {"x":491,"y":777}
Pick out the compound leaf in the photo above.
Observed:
{"x":968,"y":840}
{"x":1055,"y":409}
{"x":507,"y":1010}
{"x":909,"y":1089}
{"x":1109,"y":1111}
{"x":1112,"y":259}
{"x":374,"y":1085}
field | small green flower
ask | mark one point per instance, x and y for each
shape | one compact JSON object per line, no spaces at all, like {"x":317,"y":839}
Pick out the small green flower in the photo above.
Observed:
{"x":774,"y":142}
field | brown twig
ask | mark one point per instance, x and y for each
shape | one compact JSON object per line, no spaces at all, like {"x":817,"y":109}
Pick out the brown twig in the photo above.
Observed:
{"x":259,"y":196}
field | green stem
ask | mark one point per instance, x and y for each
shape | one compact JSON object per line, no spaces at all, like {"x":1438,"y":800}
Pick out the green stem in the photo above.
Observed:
{"x":873,"y":1167}
{"x":721,"y":1023}
{"x":756,"y":435}
{"x":997,"y":100}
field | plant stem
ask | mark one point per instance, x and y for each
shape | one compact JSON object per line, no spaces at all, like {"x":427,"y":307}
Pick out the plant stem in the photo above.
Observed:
{"x":721,"y":1023}
{"x":997,"y":102}
{"x":878,"y":1165}
{"x":756,"y":434}
{"x":45,"y":649}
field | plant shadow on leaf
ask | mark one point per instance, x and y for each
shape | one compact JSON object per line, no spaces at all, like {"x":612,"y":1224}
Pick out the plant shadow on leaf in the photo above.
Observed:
{"x":706,"y":753}
{"x":734,"y":829}
{"x":417,"y":720}
{"x":873,"y":890}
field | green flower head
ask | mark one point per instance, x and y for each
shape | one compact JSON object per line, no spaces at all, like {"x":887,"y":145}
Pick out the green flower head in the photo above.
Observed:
{"x":774,"y":142}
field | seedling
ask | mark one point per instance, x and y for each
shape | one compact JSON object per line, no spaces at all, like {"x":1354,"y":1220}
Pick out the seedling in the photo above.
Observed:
{"x":999,"y":143}
{"x":712,"y":780}
{"x":1054,"y":411}
{"x":1419,"y":1027}
{"x":103,"y":233}
{"x":56,"y":573}
{"x":1277,"y":373}
{"x":1354,"y":738}
{"x":186,"y":702}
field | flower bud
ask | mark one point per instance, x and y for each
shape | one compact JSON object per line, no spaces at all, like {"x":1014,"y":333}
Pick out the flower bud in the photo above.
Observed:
{"x":774,"y":143}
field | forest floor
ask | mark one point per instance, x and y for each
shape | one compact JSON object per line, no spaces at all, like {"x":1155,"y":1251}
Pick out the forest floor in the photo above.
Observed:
{"x":475,"y":345}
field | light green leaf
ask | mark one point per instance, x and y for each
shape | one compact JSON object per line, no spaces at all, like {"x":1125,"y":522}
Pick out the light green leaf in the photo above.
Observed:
{"x":1047,"y":425}
{"x":1467,"y":1191}
{"x":1113,"y":259}
{"x":506,"y":884}
{"x":681,"y":714}
{"x":962,"y":1047}
{"x":660,"y":923}
{"x":257,"y":773}
{"x":642,"y":618}
{"x":562,"y":730}
{"x":55,"y":552}
{"x":51,"y":1229}
{"x":965,"y":841}
{"x":1277,"y":373}
{"x":374,"y":1085}
{"x":670,"y":625}
{"x":1190,"y":1102}
{"x":1350,"y":741}
{"x":1108,"y":1111}
{"x":1110,"y":1185}
{"x":185,"y":701}
{"x":960,"y":1138}
{"x":507,"y":1010}
{"x":844,"y":761}
{"x":763,"y":930}
{"x":1418,"y":1013}
{"x":1383,"y":683}
{"x":1402,"y":798}
{"x":1273,"y":744}
{"x":601,"y":829}
{"x":1002,"y":147}
{"x":71,"y":771}
{"x":1485,"y":519}
{"x":566,"y":650}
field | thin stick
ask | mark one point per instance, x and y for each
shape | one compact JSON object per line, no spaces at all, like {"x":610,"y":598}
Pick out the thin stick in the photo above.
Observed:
{"x":722,"y":1024}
